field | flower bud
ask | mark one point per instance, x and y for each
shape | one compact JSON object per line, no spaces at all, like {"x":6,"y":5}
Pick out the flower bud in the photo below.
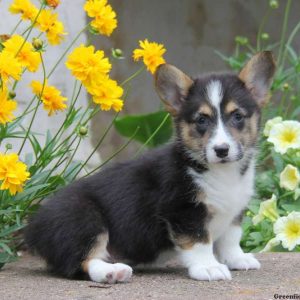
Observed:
{"x":83,"y":131}
{"x":117,"y":53}
{"x":12,"y":95}
{"x":241,"y":40}
{"x":8,"y":146}
{"x":265,"y":36}
{"x":52,"y":3}
{"x":286,"y":87}
{"x":274,"y":4}
{"x":37,"y":44}
{"x":293,"y":98}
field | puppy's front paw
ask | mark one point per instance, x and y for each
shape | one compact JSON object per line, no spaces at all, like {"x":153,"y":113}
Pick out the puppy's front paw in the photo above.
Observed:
{"x":209,"y":273}
{"x":246,"y":261}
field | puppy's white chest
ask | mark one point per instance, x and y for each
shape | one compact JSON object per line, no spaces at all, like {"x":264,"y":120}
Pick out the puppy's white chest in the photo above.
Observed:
{"x":227,"y":193}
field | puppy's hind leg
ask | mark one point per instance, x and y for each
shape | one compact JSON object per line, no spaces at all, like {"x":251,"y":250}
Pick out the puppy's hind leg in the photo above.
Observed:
{"x":101,"y":271}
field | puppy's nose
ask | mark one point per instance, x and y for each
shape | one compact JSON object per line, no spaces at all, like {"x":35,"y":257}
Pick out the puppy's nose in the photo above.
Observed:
{"x":222,"y":150}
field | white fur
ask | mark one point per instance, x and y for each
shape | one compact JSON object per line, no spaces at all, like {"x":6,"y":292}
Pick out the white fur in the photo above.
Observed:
{"x":214,"y":93}
{"x":227,"y":193}
{"x":229,"y":252}
{"x":101,"y":271}
{"x":221,"y":135}
{"x":201,"y":263}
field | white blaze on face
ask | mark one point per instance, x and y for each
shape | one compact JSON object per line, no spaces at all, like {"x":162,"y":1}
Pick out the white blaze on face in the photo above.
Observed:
{"x":221,"y":135}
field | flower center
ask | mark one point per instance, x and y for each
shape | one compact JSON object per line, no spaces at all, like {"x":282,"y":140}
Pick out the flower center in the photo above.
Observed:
{"x":289,"y":137}
{"x":293,"y":230}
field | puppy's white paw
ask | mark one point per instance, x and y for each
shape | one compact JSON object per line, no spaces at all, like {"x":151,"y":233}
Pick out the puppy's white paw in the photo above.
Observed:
{"x":123,"y":272}
{"x":100,"y":271}
{"x":246,"y":261}
{"x":209,"y":273}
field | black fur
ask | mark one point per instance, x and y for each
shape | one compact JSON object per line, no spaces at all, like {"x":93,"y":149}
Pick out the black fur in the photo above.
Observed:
{"x":134,"y":201}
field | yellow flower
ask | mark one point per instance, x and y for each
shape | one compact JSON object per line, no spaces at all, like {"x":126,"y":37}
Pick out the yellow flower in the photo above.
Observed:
{"x":50,"y":96}
{"x":48,"y":22}
{"x":9,"y":66}
{"x":6,"y":107}
{"x":87,"y":65}
{"x":285,"y":135}
{"x":24,"y":7}
{"x":56,"y":33}
{"x":270,"y":123}
{"x":267,"y":209}
{"x":287,"y":230}
{"x":151,"y":53}
{"x":93,"y":7}
{"x":27,"y":57}
{"x":289,"y":178}
{"x":107,"y":94}
{"x":13,"y":173}
{"x":104,"y":16}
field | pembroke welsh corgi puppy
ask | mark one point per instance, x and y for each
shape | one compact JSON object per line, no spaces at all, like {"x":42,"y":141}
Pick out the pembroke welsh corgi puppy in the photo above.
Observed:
{"x":184,"y":200}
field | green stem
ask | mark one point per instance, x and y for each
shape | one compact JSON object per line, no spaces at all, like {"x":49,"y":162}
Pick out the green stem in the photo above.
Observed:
{"x":261,"y":27}
{"x":152,"y":135}
{"x":98,"y":144}
{"x":30,"y":28}
{"x":284,"y":28}
{"x":37,"y":106}
{"x":63,"y":124}
{"x":133,"y":76}
{"x":289,"y":41}
{"x":16,"y":27}
{"x":66,"y":51}
{"x":115,"y":154}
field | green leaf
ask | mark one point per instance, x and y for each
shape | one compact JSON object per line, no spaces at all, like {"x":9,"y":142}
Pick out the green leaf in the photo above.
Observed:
{"x":6,"y":258}
{"x":11,"y":230}
{"x":147,"y":125}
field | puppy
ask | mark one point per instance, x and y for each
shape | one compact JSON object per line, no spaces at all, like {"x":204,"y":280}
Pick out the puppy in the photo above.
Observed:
{"x":183,"y":200}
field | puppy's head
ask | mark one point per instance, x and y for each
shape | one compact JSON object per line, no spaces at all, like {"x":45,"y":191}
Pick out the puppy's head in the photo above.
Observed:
{"x":217,"y":116}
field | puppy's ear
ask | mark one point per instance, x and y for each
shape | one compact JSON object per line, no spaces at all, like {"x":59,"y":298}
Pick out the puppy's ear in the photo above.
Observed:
{"x":172,"y":86}
{"x":258,"y":74}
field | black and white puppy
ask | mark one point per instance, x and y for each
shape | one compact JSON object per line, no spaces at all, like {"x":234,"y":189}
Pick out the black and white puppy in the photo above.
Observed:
{"x":185,"y":199}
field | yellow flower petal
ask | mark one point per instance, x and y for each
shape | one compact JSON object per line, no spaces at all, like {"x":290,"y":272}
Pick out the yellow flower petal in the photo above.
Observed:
{"x":151,"y":53}
{"x":25,"y":8}
{"x":51,"y":97}
{"x":13,"y":173}
{"x":27,"y":57}
{"x":87,"y":65}
{"x":7,"y":107}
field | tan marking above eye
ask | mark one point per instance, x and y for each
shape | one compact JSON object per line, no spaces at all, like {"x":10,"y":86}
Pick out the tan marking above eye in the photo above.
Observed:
{"x":206,"y":110}
{"x":230,"y":107}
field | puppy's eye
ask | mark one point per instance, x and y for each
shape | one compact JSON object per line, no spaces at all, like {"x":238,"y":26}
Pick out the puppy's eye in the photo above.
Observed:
{"x":237,"y":117}
{"x":203,"y":120}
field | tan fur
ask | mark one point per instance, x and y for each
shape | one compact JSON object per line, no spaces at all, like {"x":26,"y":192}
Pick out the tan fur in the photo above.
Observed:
{"x":230,"y":107}
{"x":206,"y":110}
{"x":192,"y":138}
{"x":98,"y":251}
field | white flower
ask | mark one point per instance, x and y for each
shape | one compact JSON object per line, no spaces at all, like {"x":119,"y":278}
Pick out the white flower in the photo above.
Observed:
{"x":270,"y":245}
{"x":285,"y":135}
{"x":289,"y":178}
{"x":270,"y":123}
{"x":287,"y":230}
{"x":267,"y":209}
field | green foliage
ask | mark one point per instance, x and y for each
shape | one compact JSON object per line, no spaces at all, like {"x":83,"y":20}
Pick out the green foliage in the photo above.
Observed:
{"x":147,"y":127}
